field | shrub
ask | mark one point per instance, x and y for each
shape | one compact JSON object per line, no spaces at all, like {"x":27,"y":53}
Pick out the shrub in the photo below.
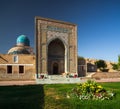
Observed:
{"x":104,"y":70}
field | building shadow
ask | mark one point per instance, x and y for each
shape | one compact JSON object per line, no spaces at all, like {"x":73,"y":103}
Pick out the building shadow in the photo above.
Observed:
{"x":22,"y":97}
{"x":39,"y":98}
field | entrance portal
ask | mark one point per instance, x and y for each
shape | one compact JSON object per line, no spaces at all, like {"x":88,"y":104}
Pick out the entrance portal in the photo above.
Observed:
{"x":55,"y":42}
{"x":56,"y":54}
{"x":55,"y":68}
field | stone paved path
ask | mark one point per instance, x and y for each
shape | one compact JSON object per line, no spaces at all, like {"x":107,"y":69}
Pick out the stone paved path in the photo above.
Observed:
{"x":8,"y":83}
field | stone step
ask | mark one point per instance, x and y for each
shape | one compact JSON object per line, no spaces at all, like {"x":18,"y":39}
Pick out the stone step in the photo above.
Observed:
{"x":58,"y":79}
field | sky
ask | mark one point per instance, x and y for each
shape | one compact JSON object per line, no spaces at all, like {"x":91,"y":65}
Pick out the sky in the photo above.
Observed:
{"x":98,"y":23}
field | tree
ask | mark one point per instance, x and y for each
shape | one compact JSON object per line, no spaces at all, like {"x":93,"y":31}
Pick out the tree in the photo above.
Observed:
{"x":117,"y":65}
{"x":114,"y":66}
{"x":80,"y":57}
{"x":101,"y":64}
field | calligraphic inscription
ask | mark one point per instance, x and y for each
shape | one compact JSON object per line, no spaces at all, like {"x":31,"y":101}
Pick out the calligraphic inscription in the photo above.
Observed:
{"x":58,"y":29}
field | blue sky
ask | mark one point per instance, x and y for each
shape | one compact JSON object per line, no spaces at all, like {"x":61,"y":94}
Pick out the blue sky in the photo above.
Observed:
{"x":98,"y":23}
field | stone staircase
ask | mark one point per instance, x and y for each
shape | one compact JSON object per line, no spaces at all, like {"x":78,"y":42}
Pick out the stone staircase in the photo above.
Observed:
{"x":58,"y":79}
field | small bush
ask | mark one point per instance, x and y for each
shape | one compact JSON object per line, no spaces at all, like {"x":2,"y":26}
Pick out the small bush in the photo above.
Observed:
{"x":104,"y":70}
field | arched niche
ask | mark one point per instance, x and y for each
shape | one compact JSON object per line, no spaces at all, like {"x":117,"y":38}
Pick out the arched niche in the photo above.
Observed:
{"x":56,"y":56}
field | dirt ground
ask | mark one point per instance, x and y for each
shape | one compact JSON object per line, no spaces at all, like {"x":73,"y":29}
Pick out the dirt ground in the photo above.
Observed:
{"x":8,"y":83}
{"x":109,"y":80}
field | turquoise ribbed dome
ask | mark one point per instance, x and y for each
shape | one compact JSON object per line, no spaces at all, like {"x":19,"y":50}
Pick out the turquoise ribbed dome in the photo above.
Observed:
{"x":23,"y":40}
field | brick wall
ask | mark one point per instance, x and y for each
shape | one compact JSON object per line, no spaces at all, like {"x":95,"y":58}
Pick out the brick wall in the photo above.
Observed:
{"x":23,"y":68}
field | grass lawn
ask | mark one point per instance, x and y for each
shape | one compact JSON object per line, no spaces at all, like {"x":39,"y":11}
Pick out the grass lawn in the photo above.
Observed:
{"x":52,"y":97}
